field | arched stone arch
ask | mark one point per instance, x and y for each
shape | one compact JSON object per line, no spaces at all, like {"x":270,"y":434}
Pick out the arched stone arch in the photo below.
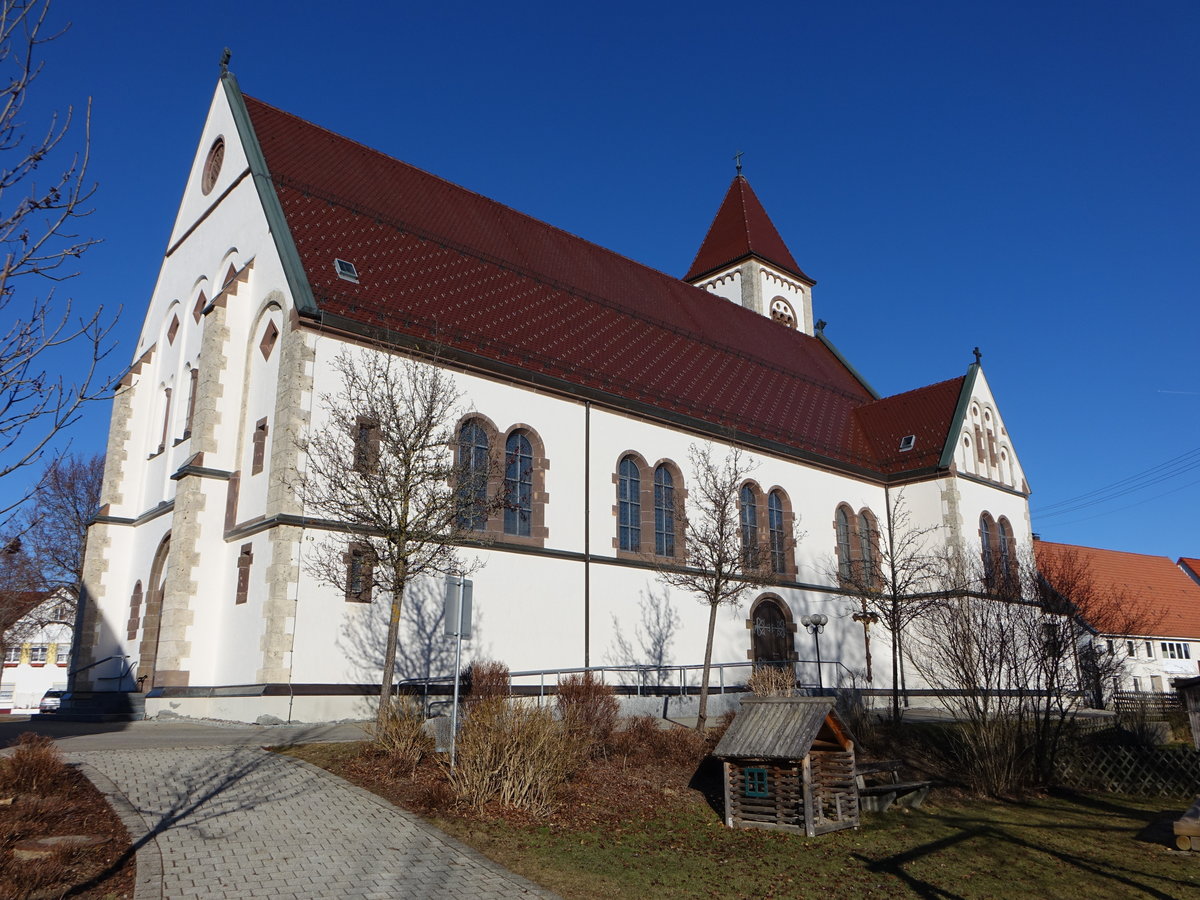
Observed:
{"x":772,"y":632}
{"x":669,"y":494}
{"x":152,"y":621}
{"x":633,"y":512}
{"x":524,"y":480}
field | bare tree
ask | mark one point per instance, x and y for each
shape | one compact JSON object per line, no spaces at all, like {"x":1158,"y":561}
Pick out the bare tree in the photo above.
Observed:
{"x":38,"y":220}
{"x":55,"y":527}
{"x":382,"y":472}
{"x":716,"y":569}
{"x":895,"y":576}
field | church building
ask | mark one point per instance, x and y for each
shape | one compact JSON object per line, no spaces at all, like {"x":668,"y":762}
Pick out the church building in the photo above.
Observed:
{"x":292,"y":244}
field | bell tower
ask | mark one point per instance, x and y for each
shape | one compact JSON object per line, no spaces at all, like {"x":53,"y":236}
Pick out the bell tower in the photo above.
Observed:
{"x":744,"y":260}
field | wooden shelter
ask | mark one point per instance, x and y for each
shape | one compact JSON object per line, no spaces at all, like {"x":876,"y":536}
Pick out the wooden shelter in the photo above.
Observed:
{"x":789,"y":765}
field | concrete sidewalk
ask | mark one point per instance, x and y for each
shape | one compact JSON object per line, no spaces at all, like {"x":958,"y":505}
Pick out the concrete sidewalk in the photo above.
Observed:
{"x":214,"y":816}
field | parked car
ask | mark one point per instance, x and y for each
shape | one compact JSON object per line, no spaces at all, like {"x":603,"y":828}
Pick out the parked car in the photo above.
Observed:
{"x":51,"y":701}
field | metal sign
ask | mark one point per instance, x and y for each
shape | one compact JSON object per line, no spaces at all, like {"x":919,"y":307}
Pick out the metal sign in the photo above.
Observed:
{"x":456,"y":588}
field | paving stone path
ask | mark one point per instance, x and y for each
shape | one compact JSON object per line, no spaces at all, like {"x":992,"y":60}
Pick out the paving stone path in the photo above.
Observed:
{"x":234,"y":822}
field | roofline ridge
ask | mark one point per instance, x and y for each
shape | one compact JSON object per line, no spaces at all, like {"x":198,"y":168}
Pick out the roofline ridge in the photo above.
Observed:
{"x":1108,"y":550}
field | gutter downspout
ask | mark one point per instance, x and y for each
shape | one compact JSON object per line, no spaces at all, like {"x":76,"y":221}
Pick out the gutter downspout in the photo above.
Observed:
{"x":587,"y":533}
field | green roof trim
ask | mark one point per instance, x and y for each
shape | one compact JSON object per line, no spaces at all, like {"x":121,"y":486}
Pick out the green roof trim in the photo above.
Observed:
{"x":960,"y":415}
{"x":289,"y":256}
{"x":820,"y":336}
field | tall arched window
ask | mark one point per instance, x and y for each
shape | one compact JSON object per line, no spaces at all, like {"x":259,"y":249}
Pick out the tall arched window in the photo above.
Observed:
{"x":987,"y":539}
{"x":629,"y":505}
{"x":866,"y":546}
{"x":1007,"y":560}
{"x":777,"y":534}
{"x":842,"y":518}
{"x":518,"y":485}
{"x":749,"y":519}
{"x":664,"y":512}
{"x":473,"y":465}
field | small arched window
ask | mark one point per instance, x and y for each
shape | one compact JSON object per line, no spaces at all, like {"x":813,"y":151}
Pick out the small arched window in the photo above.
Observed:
{"x":474,"y":453}
{"x":664,"y":512}
{"x":842,"y":520}
{"x":629,"y":505}
{"x":749,"y":520}
{"x":777,"y":533}
{"x":518,"y":485}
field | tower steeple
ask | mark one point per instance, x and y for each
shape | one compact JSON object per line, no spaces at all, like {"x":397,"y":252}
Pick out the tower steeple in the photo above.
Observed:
{"x":744,"y":259}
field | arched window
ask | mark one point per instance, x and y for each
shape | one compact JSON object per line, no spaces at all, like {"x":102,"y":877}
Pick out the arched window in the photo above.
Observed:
{"x":842,"y":519}
{"x":866,"y":546}
{"x":664,"y":512}
{"x":629,"y":505}
{"x":987,"y":544}
{"x":518,"y":485}
{"x":749,"y":519}
{"x":776,"y":532}
{"x":474,"y":452}
{"x":1007,"y":556}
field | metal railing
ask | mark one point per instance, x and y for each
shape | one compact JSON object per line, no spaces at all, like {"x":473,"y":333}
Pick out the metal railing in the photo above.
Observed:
{"x":657,"y":681}
{"x":124,"y":672}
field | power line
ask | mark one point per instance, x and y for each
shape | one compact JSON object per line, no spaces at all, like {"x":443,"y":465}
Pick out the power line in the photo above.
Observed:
{"x":1172,"y":468}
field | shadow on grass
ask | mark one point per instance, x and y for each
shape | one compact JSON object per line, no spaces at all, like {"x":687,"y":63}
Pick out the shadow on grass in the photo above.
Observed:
{"x":707,"y":780}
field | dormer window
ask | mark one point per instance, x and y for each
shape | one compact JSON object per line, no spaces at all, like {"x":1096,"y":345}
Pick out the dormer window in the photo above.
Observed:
{"x":346,"y":270}
{"x":907,"y":442}
{"x":782,"y":312}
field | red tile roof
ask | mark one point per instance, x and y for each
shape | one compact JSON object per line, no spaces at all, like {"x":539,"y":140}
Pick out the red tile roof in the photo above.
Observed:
{"x":1157,"y":585}
{"x":1191,"y":567}
{"x":741,"y":228}
{"x":441,"y":263}
{"x":920,"y":413}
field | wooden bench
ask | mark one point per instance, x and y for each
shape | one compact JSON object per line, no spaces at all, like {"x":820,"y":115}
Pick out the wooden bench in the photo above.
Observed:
{"x":1187,"y":828}
{"x":880,"y":787}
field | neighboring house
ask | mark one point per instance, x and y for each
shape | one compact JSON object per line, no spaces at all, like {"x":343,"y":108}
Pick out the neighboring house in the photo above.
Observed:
{"x":1160,"y":601}
{"x":590,"y":373}
{"x":37,"y":648}
{"x":1191,"y":567}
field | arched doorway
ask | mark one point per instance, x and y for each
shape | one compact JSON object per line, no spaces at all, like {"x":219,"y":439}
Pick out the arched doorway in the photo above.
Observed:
{"x":148,"y":652}
{"x":772,"y":631}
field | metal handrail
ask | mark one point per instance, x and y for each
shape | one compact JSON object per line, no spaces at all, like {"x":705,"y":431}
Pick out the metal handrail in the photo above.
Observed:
{"x":98,"y":662}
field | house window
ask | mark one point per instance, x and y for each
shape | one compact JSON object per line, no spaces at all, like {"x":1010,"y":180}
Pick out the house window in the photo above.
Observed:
{"x":1175,"y":650}
{"x":245,"y":561}
{"x":1111,"y":647}
{"x":1131,"y":649}
{"x":260,"y":446}
{"x":629,"y":505}
{"x":664,"y":512}
{"x":360,"y":562}
{"x":1137,"y":684}
{"x":749,"y":520}
{"x":1156,"y":684}
{"x":366,"y":445}
{"x":776,"y":533}
{"x":842,"y":520}
{"x":755,"y":782}
{"x":1149,"y":649}
{"x":518,"y":485}
{"x":474,"y":453}
{"x":12,"y":655}
{"x":38,"y":654}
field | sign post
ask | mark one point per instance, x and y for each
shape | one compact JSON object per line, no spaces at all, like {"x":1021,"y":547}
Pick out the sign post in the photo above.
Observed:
{"x":458,"y":626}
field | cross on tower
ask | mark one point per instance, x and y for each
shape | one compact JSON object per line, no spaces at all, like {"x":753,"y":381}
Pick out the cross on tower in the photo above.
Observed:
{"x":737,"y":159}
{"x":978,"y":356}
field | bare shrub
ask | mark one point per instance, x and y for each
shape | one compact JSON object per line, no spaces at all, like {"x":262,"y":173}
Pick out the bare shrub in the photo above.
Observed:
{"x":401,"y":735}
{"x":487,"y":679}
{"x":588,"y":709}
{"x":514,"y":754}
{"x":34,"y":767}
{"x":772,"y":681}
{"x":644,"y":738}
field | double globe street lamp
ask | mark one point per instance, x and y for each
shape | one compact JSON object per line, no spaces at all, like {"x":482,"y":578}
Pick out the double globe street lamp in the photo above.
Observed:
{"x":815,"y":624}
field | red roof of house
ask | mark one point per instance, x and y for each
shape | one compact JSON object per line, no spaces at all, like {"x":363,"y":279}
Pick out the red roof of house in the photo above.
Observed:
{"x":438,"y":262}
{"x":1156,"y":584}
{"x":741,"y":228}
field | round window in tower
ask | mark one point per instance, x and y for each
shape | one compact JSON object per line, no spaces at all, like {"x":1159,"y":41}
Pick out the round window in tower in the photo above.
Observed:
{"x":781,"y":311}
{"x":212,"y":165}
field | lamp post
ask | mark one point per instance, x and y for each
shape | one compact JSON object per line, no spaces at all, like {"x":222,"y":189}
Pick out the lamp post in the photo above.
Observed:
{"x":815,"y":624}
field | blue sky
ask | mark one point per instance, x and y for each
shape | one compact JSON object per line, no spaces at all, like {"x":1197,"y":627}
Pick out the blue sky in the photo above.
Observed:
{"x":1017,"y":176}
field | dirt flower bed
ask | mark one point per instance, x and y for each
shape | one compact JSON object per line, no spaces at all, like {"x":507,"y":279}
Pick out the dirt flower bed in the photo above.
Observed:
{"x":42,"y":797}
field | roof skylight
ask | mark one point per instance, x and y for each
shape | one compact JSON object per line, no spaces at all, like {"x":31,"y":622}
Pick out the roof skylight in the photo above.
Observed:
{"x":346,"y":270}
{"x":906,"y":442}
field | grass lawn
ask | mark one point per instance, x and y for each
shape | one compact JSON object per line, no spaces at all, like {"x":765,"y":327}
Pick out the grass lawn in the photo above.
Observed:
{"x":632,"y":830}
